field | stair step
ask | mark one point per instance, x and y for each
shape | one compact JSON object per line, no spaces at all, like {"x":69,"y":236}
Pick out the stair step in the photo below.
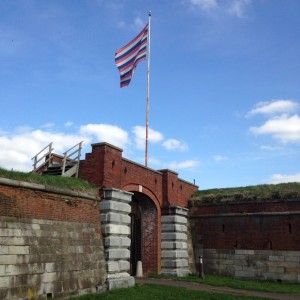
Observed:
{"x":57,"y":169}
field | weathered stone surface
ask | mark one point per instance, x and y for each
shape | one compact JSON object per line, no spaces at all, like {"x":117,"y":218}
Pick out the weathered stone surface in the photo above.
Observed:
{"x":173,"y":236}
{"x":108,"y":205}
{"x":118,"y":283}
{"x":174,"y":254}
{"x":173,"y":228}
{"x":40,"y":257}
{"x":256,"y":264}
{"x":174,"y":219}
{"x":116,"y":221}
{"x":108,"y":229}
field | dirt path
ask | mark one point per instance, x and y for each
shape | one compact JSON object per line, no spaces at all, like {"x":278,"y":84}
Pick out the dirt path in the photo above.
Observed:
{"x":215,"y":289}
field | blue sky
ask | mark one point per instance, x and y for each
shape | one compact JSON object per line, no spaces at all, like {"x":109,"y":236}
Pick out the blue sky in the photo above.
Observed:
{"x":224,"y":88}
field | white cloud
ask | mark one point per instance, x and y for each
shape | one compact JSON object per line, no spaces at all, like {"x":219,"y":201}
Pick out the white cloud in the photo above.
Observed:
{"x":140,"y":136}
{"x":284,"y":128}
{"x":235,"y":8}
{"x":205,"y":5}
{"x":270,"y":148}
{"x":238,"y":8}
{"x":106,"y":133}
{"x":283,"y":178}
{"x":48,"y":125}
{"x":220,"y":158}
{"x":69,"y":124}
{"x":187,"y":164}
{"x":276,"y":106}
{"x":18,"y":147}
{"x":173,"y":144}
{"x":139,"y":23}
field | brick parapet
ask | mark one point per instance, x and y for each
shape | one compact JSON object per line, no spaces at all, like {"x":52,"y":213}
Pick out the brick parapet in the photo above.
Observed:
{"x":272,"y":225}
{"x":106,"y":168}
{"x":50,"y":242}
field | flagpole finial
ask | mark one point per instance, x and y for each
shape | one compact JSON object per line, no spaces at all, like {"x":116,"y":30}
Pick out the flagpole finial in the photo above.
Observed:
{"x":149,"y":13}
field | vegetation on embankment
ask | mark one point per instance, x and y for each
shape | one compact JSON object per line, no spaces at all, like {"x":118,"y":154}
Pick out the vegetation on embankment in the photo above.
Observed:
{"x":265,"y":192}
{"x":70,"y":183}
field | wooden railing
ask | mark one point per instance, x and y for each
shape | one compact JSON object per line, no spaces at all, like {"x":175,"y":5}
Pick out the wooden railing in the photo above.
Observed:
{"x":72,"y":157}
{"x":43,"y":155}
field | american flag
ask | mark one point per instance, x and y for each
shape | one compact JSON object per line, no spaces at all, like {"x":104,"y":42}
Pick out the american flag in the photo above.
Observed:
{"x":130,"y":55}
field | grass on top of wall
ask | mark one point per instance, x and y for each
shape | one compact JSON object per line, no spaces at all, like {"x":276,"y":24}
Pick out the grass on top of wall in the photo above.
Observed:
{"x":265,"y":192}
{"x":70,"y":183}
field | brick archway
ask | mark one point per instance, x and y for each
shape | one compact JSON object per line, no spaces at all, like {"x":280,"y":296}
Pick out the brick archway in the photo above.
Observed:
{"x":144,"y":234}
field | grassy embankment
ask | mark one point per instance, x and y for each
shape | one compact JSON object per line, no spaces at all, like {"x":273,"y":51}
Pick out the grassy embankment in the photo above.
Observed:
{"x":265,"y":192}
{"x":57,"y":181}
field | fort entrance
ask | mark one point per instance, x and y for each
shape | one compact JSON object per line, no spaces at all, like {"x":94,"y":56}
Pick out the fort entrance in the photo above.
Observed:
{"x":144,"y":234}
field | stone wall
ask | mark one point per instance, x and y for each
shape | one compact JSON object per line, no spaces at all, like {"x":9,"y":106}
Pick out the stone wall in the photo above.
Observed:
{"x":50,"y":242}
{"x":258,"y":264}
{"x":174,"y":242}
{"x":252,"y":240}
{"x":115,"y":210}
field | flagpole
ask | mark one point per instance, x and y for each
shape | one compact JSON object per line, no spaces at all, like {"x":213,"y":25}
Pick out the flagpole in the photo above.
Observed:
{"x":148,"y":90}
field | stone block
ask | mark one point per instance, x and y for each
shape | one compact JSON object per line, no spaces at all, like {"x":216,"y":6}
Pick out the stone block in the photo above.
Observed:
{"x":173,"y":228}
{"x":12,"y":270}
{"x":174,"y":254}
{"x":115,"y":229}
{"x":276,"y":258}
{"x":245,"y":273}
{"x":4,"y":282}
{"x":174,"y":245}
{"x":8,"y":259}
{"x":2,"y":270}
{"x":174,"y":219}
{"x":170,"y":236}
{"x":118,"y":283}
{"x":7,"y":232}
{"x":49,"y":277}
{"x":117,"y":254}
{"x":3,"y":249}
{"x":12,"y":241}
{"x":119,"y":195}
{"x":174,"y":263}
{"x":245,"y":252}
{"x":175,"y":272}
{"x":124,"y":265}
{"x":110,"y":217}
{"x":109,"y":205}
{"x":178,"y":210}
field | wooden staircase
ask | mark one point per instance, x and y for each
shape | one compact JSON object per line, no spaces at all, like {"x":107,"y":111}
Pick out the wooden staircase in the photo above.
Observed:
{"x":48,"y":163}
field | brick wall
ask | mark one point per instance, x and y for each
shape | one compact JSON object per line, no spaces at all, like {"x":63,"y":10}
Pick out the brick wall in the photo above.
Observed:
{"x":253,"y":240}
{"x":106,"y":167}
{"x":259,"y":226}
{"x":50,"y":242}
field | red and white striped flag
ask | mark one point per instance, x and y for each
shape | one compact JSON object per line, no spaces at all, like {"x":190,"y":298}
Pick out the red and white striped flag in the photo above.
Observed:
{"x":130,"y":55}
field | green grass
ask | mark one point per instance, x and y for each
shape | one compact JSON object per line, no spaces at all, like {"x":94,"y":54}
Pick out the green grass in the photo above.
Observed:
{"x":57,"y":181}
{"x":158,"y":292}
{"x":236,"y":283}
{"x":282,"y":191}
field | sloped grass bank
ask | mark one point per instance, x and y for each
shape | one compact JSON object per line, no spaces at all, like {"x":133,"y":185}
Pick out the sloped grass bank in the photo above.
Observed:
{"x":265,"y":192}
{"x":70,"y":183}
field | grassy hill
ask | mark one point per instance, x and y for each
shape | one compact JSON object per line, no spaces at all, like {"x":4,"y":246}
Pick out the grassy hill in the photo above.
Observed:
{"x":57,"y":181}
{"x":266,"y":192}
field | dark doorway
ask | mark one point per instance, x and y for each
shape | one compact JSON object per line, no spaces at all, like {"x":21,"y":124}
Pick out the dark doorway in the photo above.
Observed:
{"x":143,"y":234}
